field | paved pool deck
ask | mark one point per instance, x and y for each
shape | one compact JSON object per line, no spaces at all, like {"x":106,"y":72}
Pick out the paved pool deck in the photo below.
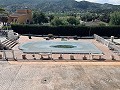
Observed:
{"x":59,"y":75}
{"x":103,"y":48}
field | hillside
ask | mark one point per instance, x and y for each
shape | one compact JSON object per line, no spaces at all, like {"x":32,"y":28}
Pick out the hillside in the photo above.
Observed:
{"x":57,"y":5}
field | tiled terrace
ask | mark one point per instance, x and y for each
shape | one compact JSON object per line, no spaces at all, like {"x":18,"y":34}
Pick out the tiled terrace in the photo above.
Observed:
{"x":78,"y":57}
{"x":59,"y":75}
{"x":62,"y":74}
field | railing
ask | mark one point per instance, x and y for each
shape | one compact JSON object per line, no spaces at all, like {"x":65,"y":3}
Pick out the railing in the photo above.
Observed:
{"x":4,"y":33}
{"x":9,"y":34}
{"x":7,"y":54}
{"x":108,"y":43}
{"x":19,"y":55}
{"x":78,"y":55}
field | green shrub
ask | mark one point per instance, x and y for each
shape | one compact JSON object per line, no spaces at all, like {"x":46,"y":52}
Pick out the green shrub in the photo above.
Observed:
{"x":67,"y":30}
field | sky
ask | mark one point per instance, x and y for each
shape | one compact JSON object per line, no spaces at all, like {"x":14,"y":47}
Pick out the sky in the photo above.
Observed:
{"x":116,"y":2}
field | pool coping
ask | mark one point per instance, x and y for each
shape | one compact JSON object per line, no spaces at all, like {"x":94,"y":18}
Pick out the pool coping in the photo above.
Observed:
{"x":55,"y":51}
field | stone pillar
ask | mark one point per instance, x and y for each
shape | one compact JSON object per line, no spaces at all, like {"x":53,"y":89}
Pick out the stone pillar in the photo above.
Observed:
{"x":112,"y":38}
{"x":1,"y":47}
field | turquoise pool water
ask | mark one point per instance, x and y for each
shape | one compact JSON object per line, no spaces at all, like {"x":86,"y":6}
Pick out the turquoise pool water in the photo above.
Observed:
{"x":51,"y":46}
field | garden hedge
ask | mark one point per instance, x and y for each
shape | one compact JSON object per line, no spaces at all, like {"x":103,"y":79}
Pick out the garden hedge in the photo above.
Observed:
{"x":67,"y":30}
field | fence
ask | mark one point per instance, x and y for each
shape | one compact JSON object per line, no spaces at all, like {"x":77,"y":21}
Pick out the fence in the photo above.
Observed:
{"x":9,"y":34}
{"x":108,"y":43}
{"x":4,"y":33}
{"x":7,"y":55}
{"x":2,"y":55}
{"x":20,"y":56}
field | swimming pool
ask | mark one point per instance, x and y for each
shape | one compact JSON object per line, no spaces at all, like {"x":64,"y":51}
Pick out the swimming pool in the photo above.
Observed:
{"x":59,"y":47}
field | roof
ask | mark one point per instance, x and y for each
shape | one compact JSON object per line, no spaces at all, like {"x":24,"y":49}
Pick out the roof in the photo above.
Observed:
{"x":16,"y":15}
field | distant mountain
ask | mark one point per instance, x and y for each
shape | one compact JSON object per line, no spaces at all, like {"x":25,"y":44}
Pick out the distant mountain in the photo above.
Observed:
{"x":57,"y":5}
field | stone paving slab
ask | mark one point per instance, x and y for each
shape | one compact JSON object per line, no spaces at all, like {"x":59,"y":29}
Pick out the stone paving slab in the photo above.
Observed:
{"x":59,"y":76}
{"x":100,"y":79}
{"x":67,"y":63}
{"x":114,"y":73}
{"x":54,"y":78}
{"x":7,"y":75}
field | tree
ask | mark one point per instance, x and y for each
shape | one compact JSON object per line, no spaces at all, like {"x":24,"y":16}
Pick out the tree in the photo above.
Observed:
{"x":74,"y":14}
{"x":4,"y":19}
{"x":102,"y":24}
{"x":89,"y":16}
{"x":2,"y":10}
{"x":73,"y":21}
{"x":115,"y":18}
{"x":3,"y":16}
{"x":39,"y":18}
{"x":86,"y":17}
{"x":51,"y":17}
{"x":58,"y":22}
{"x":105,"y":17}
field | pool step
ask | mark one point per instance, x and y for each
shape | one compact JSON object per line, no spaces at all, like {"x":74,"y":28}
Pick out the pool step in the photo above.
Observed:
{"x":13,"y":45}
{"x":9,"y":44}
{"x":5,"y":41}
